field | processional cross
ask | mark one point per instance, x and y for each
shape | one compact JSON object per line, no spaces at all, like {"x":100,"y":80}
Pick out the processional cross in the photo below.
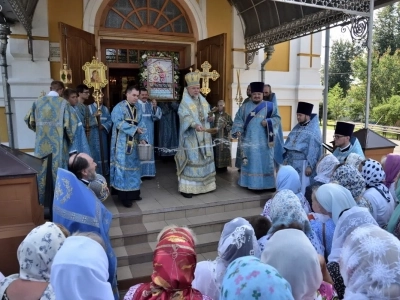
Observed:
{"x":206,"y":75}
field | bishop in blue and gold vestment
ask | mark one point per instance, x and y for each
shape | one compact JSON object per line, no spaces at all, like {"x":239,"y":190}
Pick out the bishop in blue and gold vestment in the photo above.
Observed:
{"x":195,"y":156}
{"x":128,"y":131}
{"x":256,"y":123}
{"x":55,"y":126}
{"x":303,"y":146}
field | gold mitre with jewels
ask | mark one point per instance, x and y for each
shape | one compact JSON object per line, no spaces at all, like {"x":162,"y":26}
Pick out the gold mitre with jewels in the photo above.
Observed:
{"x":193,"y":78}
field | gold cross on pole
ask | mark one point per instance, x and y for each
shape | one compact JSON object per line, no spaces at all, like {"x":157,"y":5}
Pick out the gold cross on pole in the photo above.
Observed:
{"x":206,"y":75}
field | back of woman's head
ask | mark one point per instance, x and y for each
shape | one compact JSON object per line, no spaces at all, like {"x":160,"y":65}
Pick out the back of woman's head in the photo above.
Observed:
{"x":350,"y":178}
{"x":370,"y":264}
{"x":290,"y":250}
{"x":237,"y":239}
{"x":37,"y":251}
{"x":248,"y":278}
{"x":261,"y":225}
{"x":288,"y":178}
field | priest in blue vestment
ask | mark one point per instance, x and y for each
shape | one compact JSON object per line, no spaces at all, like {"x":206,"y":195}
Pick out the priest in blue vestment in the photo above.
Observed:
{"x":195,"y":156}
{"x":303,"y":146}
{"x":345,"y":142}
{"x":238,"y":160}
{"x":94,"y":137}
{"x":77,"y":208}
{"x":279,"y":140}
{"x":150,"y":114}
{"x":168,"y":140}
{"x":128,"y":131}
{"x":256,"y":123}
{"x":51,"y":118}
{"x":80,"y":143}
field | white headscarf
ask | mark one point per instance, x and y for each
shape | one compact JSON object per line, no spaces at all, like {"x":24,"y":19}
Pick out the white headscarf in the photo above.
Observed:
{"x":334,"y":199}
{"x":35,"y":256}
{"x":291,"y":253}
{"x":354,"y":160}
{"x":325,"y":168}
{"x":370,"y":264}
{"x":238,"y":239}
{"x":348,"y":221}
{"x":80,"y":271}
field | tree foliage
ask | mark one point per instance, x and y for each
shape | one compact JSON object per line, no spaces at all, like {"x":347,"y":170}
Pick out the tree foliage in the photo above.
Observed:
{"x":388,"y":113}
{"x":387,"y":29}
{"x":356,"y":97}
{"x":337,"y":103}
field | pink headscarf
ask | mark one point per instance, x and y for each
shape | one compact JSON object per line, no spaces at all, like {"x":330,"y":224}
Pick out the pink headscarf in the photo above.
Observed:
{"x":392,"y":168}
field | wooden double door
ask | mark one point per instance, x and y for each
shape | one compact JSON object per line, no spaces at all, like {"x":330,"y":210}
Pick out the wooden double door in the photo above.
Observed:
{"x":78,"y":47}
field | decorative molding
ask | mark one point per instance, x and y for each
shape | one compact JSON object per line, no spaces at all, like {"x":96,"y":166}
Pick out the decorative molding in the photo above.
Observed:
{"x":238,"y":50}
{"x":25,"y":37}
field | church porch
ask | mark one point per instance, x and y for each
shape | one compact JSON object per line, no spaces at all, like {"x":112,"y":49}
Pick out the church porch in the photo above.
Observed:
{"x":134,"y":230}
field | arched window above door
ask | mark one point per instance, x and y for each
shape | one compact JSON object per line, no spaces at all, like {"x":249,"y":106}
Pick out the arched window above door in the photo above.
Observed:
{"x":163,"y":16}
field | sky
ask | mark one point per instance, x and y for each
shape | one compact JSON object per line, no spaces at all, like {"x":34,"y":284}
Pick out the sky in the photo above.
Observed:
{"x":335,"y":34}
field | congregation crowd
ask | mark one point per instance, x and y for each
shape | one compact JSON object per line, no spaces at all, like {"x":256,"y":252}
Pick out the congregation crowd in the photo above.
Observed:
{"x":330,"y":231}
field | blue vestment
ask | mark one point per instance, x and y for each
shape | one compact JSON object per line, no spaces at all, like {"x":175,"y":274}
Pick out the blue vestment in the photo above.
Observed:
{"x":149,"y":116}
{"x":125,"y":163}
{"x":238,"y":160}
{"x":279,"y":140}
{"x":258,"y":173}
{"x":195,"y":157}
{"x":303,"y":148}
{"x":94,"y":139}
{"x":89,"y":215}
{"x":80,"y":143}
{"x":55,"y":126}
{"x":355,"y":147}
{"x":168,"y":140}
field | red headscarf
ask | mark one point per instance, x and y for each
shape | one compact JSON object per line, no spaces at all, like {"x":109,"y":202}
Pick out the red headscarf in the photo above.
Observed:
{"x":174,"y":263}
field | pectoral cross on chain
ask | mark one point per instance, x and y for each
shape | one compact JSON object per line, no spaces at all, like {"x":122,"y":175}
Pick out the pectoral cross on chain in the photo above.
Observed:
{"x":206,"y":75}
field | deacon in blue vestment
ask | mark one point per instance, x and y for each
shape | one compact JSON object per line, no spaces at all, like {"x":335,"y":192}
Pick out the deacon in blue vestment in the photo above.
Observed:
{"x":303,"y":146}
{"x":279,"y":141}
{"x":94,"y":138}
{"x":55,"y":126}
{"x":168,"y":140}
{"x":150,"y":114}
{"x":256,"y":123}
{"x":195,"y":156}
{"x":345,"y":142}
{"x":238,"y":160}
{"x":128,"y":131}
{"x":80,"y":141}
{"x":77,"y":208}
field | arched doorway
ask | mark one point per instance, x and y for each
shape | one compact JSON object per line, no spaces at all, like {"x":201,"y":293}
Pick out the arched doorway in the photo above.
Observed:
{"x":130,"y":28}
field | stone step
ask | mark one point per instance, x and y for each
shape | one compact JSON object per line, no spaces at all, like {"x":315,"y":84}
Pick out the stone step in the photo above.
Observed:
{"x":135,"y":234}
{"x":141,"y":272}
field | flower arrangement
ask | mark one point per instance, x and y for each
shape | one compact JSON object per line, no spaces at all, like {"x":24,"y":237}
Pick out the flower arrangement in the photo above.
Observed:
{"x":143,"y":73}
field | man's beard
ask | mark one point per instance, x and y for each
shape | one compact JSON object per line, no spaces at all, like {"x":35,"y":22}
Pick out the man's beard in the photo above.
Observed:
{"x":92,"y":176}
{"x":194,"y":97}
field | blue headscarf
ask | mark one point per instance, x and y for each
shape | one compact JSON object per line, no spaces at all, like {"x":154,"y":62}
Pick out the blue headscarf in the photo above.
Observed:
{"x":77,"y":208}
{"x":248,"y":278}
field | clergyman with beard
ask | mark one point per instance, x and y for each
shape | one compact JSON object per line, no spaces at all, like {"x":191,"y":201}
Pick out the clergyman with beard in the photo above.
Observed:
{"x":195,"y":156}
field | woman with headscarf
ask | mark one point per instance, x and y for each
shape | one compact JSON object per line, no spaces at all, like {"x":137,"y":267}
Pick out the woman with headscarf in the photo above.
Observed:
{"x":394,"y":221}
{"x":300,"y":267}
{"x":370,"y":264}
{"x":354,"y":160}
{"x":348,"y":221}
{"x":377,"y":193}
{"x":391,"y":166}
{"x":248,"y":278}
{"x":174,"y":263}
{"x":80,"y":269}
{"x":324,"y":170}
{"x":330,"y":200}
{"x":288,"y":179}
{"x":237,"y":239}
{"x":286,"y":212}
{"x":349,"y":177}
{"x":35,"y":256}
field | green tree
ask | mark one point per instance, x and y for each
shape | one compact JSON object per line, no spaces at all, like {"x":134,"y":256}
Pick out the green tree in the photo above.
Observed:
{"x":356,"y":102}
{"x":337,"y":103}
{"x":388,"y":113}
{"x":340,"y":64}
{"x":387,"y":29}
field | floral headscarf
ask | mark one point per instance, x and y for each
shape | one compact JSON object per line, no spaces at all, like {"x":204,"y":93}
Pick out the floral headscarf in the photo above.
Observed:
{"x":354,"y":160}
{"x":248,"y":278}
{"x":35,"y":256}
{"x":325,"y":168}
{"x":349,"y":177}
{"x":370,"y":264}
{"x":374,"y":176}
{"x":286,"y":209}
{"x":174,"y":263}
